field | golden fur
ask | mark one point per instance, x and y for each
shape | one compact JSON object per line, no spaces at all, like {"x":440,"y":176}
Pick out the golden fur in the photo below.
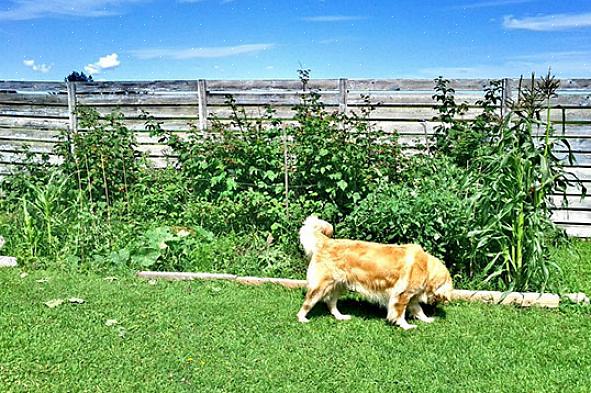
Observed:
{"x":395,"y":276}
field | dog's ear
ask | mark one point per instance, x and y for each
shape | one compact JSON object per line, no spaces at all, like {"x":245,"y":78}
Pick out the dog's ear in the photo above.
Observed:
{"x":327,"y":229}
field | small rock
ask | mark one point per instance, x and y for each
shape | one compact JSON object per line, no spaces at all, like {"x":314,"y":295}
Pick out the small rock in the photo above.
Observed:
{"x":54,"y":303}
{"x":578,"y":298}
{"x":7,"y":261}
{"x":111,"y":322}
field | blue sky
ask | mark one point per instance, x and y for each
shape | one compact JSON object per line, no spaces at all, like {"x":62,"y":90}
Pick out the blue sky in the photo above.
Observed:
{"x":248,"y":39}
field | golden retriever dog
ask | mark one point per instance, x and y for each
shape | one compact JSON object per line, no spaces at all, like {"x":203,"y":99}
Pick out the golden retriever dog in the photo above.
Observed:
{"x":395,"y":276}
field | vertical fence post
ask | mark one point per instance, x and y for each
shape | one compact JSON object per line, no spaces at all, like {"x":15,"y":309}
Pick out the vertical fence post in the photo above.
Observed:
{"x":506,"y":96}
{"x":73,"y":115}
{"x":343,"y":95}
{"x":427,"y":144}
{"x":202,"y":97}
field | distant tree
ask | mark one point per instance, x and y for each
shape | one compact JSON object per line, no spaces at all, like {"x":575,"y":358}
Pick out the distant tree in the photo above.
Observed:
{"x":78,"y":77}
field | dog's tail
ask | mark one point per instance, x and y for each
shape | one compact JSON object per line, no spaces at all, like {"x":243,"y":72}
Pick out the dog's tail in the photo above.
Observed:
{"x":312,"y":233}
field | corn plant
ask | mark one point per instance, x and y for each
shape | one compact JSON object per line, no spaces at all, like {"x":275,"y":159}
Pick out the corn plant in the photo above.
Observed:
{"x":43,"y":211}
{"x":519,"y":173}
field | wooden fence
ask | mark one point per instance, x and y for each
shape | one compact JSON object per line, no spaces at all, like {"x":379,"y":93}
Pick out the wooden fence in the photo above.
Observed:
{"x":35,"y":114}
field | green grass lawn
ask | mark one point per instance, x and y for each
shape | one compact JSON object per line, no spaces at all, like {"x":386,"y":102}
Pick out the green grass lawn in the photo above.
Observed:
{"x":575,"y":263}
{"x":226,"y":337}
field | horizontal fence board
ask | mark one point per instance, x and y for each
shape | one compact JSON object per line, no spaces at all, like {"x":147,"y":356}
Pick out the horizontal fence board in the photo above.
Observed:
{"x":135,"y":87}
{"x":285,"y":84}
{"x":284,"y":99}
{"x":28,"y":133}
{"x":572,"y":216}
{"x":252,"y":113}
{"x":160,"y":112}
{"x":155,"y":150}
{"x":403,"y":98}
{"x":147,"y":101}
{"x":571,"y":100}
{"x":572,"y":84}
{"x":574,"y":202}
{"x":583,"y":231}
{"x":33,"y":110}
{"x":15,"y":158}
{"x":33,"y":122}
{"x":35,"y":147}
{"x":413,"y":84}
{"x":33,"y":99}
{"x":32,"y":86}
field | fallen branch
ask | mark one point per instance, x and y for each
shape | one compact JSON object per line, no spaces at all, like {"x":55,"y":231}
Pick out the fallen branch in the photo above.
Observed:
{"x":523,"y":299}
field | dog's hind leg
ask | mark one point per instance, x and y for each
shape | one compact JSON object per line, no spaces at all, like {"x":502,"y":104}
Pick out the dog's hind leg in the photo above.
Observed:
{"x":331,"y":301}
{"x":415,"y":309}
{"x":396,"y":309}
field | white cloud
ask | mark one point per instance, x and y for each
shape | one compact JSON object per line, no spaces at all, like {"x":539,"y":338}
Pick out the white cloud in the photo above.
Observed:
{"x":103,"y":63}
{"x":488,"y":4}
{"x":332,"y":18}
{"x":549,"y":22}
{"x":33,"y":9}
{"x":193,"y":53}
{"x":109,"y":61}
{"x":42,"y":68}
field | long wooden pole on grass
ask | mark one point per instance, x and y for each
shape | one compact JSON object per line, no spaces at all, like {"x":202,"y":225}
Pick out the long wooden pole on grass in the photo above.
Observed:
{"x":523,"y":299}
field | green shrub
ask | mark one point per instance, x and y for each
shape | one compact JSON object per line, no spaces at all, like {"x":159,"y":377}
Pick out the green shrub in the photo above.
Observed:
{"x":101,"y":160}
{"x":433,"y":208}
{"x":339,"y":158}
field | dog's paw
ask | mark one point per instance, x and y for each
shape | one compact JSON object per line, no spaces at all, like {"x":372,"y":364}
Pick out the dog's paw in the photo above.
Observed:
{"x":427,"y":319}
{"x":407,"y":326}
{"x":303,"y":319}
{"x":342,"y":317}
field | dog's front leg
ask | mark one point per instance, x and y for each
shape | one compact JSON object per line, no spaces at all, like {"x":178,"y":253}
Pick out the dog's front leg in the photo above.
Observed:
{"x":396,"y":310}
{"x":312,"y":297}
{"x":416,"y":311}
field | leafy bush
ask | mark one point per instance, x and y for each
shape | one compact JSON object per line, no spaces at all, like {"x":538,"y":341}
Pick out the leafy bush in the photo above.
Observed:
{"x":103,"y":159}
{"x":328,"y":160}
{"x":433,"y":207}
{"x":339,"y":158}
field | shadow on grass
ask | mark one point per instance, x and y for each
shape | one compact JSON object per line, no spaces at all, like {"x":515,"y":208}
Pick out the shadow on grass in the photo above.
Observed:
{"x":363,"y":309}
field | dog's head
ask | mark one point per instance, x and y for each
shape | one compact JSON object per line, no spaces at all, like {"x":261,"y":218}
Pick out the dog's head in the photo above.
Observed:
{"x":440,"y":282}
{"x":318,"y":225}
